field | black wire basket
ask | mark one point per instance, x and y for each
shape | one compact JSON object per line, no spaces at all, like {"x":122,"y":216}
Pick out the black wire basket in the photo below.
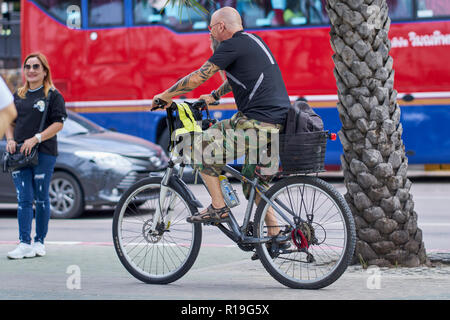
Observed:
{"x":302,"y":153}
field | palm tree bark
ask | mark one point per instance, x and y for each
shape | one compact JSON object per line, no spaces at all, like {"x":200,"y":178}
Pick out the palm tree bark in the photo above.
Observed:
{"x":374,"y":160}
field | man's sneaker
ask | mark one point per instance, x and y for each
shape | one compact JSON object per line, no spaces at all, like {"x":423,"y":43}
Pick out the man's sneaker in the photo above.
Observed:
{"x":23,"y":250}
{"x":39,"y":248}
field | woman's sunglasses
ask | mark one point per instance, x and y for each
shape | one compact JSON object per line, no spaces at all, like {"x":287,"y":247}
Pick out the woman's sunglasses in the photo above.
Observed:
{"x":34,"y":66}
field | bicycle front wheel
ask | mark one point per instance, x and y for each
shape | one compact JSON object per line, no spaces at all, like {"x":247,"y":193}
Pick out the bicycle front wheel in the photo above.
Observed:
{"x":326,"y":225}
{"x":162,"y":255}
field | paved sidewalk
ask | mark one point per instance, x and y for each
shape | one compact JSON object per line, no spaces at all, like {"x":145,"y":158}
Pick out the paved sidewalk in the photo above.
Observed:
{"x":220,"y":273}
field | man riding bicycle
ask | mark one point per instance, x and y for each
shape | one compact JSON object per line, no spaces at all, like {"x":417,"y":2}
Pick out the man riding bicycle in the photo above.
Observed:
{"x":259,"y":91}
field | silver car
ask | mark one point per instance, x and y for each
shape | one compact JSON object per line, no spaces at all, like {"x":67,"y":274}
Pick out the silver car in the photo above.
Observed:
{"x":94,"y":167}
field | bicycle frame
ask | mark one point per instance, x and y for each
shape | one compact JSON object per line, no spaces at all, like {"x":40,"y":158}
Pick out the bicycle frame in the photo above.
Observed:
{"x":235,"y":232}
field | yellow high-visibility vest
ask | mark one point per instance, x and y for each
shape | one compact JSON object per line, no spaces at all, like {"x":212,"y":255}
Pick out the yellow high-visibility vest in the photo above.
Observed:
{"x":187,"y":119}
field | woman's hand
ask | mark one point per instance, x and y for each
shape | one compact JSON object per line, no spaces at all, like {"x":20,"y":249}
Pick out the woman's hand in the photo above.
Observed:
{"x":11,"y":146}
{"x":28,"y":145}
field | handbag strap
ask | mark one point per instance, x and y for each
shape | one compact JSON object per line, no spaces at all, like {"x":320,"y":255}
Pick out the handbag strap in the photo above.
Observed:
{"x":44,"y":116}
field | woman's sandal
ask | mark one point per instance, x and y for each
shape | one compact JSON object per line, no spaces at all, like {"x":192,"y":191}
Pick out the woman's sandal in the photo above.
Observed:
{"x":212,"y":215}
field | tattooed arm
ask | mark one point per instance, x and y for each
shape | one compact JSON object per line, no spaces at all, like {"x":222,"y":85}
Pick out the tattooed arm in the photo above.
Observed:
{"x":189,"y":83}
{"x":223,"y":90}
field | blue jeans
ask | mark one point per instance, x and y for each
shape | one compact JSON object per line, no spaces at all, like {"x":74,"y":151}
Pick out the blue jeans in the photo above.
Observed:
{"x":32,"y":184}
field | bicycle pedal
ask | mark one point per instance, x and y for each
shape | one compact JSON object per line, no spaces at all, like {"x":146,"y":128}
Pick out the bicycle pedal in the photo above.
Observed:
{"x":255,"y":256}
{"x":211,"y":223}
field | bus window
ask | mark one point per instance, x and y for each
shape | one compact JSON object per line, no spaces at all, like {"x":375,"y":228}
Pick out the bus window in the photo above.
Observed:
{"x":185,"y":18}
{"x":317,"y":12}
{"x":275,"y":13}
{"x":400,"y":9}
{"x":433,"y":8}
{"x":295,"y":13}
{"x":255,"y":14}
{"x":106,"y":13}
{"x":67,"y":12}
{"x":148,"y":11}
{"x":180,"y":19}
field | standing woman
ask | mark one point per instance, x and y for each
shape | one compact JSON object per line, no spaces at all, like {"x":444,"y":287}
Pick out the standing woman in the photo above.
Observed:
{"x":32,"y":183}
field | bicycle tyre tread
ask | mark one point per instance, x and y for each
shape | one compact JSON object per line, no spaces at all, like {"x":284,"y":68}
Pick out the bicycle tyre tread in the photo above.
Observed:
{"x":196,"y":241}
{"x":350,"y":225}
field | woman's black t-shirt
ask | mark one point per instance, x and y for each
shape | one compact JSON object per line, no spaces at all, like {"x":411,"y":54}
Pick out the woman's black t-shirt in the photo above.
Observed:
{"x":30,"y":112}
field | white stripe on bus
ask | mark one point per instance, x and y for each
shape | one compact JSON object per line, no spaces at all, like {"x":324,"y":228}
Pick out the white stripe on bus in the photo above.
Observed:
{"x":312,"y":98}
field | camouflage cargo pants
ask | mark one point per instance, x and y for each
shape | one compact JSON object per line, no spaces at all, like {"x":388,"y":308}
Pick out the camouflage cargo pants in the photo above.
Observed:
{"x":230,"y":139}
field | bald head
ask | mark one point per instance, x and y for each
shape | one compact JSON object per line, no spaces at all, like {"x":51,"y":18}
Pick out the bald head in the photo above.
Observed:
{"x":230,"y":17}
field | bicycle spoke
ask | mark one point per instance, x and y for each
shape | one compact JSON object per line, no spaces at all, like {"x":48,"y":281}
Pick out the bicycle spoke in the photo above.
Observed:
{"x":155,"y":252}
{"x":327,"y":226}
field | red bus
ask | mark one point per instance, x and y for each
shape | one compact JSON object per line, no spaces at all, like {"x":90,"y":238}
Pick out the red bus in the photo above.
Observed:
{"x":110,"y":57}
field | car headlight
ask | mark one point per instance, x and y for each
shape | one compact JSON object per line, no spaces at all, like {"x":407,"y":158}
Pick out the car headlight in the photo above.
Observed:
{"x":156,"y":161}
{"x":105,"y":159}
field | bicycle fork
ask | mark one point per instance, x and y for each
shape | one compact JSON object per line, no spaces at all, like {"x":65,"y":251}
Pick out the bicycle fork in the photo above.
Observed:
{"x":160,"y":210}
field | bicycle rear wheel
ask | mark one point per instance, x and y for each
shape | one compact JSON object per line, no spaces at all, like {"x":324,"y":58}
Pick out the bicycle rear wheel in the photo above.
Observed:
{"x":330,"y":235}
{"x":166,"y":254}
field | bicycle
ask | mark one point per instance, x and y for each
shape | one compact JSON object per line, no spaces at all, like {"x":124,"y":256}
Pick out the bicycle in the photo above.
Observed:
{"x":156,"y":245}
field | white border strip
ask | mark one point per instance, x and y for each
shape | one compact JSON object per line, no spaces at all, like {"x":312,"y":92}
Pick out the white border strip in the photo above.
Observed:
{"x":313,"y":98}
{"x":423,"y":95}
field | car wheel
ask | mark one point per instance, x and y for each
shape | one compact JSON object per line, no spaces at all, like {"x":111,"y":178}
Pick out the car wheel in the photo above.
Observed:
{"x":66,"y":198}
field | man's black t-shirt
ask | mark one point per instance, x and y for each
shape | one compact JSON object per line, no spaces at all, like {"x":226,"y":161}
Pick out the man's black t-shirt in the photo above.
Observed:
{"x":30,"y":112}
{"x":254,"y":76}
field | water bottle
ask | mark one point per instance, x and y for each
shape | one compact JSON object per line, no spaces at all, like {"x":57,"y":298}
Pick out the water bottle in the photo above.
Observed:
{"x":229,"y":194}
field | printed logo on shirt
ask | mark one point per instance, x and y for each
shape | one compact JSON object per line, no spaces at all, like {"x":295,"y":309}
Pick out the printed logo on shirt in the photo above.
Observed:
{"x":40,"y":105}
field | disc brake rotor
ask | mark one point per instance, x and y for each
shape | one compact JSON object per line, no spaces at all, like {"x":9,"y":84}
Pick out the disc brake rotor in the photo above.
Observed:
{"x":148,"y":234}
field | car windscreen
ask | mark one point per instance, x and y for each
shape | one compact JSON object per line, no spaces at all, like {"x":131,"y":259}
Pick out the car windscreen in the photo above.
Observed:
{"x":78,"y":125}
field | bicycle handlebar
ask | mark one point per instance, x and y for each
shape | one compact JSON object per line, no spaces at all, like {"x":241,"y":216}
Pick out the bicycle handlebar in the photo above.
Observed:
{"x":202,"y":105}
{"x":160,"y":104}
{"x":199,"y":104}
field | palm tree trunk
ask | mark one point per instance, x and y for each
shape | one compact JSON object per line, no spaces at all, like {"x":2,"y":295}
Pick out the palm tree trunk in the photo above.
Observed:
{"x":374,"y":160}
